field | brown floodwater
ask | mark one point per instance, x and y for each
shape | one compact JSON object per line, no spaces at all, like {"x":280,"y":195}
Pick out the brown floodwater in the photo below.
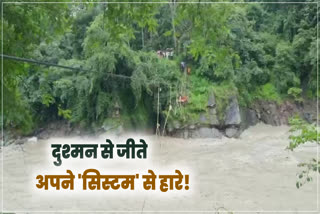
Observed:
{"x":252,"y":173}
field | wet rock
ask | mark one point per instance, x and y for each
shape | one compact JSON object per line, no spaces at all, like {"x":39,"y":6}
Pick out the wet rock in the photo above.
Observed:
{"x":43,"y":135}
{"x":252,"y":117}
{"x":194,"y":133}
{"x":178,"y":133}
{"x":206,"y":132}
{"x":211,"y":100}
{"x":20,"y":141}
{"x":308,"y":117}
{"x":212,"y":117}
{"x":267,"y":112}
{"x":233,"y":113}
{"x":276,"y":114}
{"x":309,"y":110}
{"x":249,"y":117}
{"x":212,"y":111}
{"x":213,"y":120}
{"x":216,"y":133}
{"x":233,"y":132}
{"x":273,"y":115}
{"x":192,"y":127}
{"x":203,"y":118}
{"x":209,"y":118}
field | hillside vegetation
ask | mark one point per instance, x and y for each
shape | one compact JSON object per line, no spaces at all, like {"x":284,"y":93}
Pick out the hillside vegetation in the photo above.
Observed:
{"x":251,"y":51}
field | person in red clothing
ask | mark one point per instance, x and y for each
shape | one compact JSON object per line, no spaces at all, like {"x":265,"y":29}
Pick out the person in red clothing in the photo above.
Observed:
{"x":183,"y":99}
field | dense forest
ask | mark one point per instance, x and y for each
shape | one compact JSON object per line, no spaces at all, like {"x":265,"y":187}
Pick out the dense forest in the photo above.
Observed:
{"x":131,"y":61}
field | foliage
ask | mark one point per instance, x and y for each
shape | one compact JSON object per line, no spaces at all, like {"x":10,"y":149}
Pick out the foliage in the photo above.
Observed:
{"x":296,"y":94}
{"x":307,"y":133}
{"x":199,"y":92}
{"x":252,"y":51}
{"x":208,"y":40}
{"x":65,"y":113}
{"x":302,"y":133}
{"x":267,"y":92}
{"x":22,"y":33}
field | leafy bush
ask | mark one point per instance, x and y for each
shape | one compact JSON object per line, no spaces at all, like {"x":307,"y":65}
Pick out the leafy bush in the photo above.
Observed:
{"x":302,"y":133}
{"x":267,"y":92}
{"x":296,"y":94}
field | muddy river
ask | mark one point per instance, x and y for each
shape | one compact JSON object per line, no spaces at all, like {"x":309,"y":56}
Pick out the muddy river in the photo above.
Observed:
{"x":253,"y":173}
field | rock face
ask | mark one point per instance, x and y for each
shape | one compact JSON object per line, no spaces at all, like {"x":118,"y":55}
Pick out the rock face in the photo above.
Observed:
{"x":275,"y":114}
{"x":237,"y":119}
{"x":205,"y":132}
{"x":204,"y":127}
{"x":233,"y":119}
{"x":309,"y":108}
{"x":209,"y":118}
{"x":233,"y":132}
{"x":233,"y":113}
{"x":308,"y":117}
{"x":202,"y":132}
{"x":248,"y":118}
{"x":208,"y":125}
{"x":211,"y":101}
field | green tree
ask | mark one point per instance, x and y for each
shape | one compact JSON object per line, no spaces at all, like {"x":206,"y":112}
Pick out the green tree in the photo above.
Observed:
{"x":24,"y":27}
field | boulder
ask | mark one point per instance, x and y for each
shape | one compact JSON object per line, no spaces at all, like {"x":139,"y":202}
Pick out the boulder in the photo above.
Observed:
{"x":209,"y":118}
{"x":252,"y":117}
{"x":203,"y":118}
{"x":233,"y":132}
{"x":308,"y":117}
{"x":192,"y":127}
{"x":212,"y":117}
{"x":269,"y":113}
{"x":211,"y":100}
{"x":216,"y":133}
{"x":249,"y":117}
{"x":43,"y":135}
{"x":213,"y":120}
{"x":232,"y":116}
{"x":274,"y":113}
{"x":178,"y":133}
{"x":206,"y":132}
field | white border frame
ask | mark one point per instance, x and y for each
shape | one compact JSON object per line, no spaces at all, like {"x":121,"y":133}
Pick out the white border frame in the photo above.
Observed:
{"x":160,"y":2}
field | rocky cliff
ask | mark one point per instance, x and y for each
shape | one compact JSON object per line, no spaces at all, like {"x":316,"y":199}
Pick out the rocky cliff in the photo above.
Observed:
{"x":236,"y":118}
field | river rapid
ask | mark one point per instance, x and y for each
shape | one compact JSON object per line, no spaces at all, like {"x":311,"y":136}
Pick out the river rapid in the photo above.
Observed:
{"x":252,"y":173}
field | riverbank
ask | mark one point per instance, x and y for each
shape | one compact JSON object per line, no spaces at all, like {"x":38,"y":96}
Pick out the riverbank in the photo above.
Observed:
{"x":237,"y":119}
